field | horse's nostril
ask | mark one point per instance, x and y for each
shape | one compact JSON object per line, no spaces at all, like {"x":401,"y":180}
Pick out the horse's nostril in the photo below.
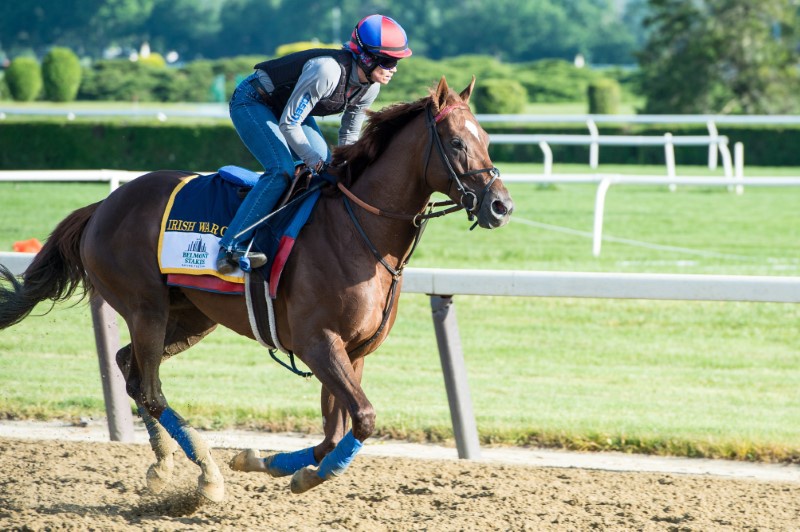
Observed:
{"x":499,"y":208}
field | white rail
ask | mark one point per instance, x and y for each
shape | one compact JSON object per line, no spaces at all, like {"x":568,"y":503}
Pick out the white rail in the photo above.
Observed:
{"x":715,"y":143}
{"x":221,"y":111}
{"x":643,"y":119}
{"x":732,"y":184}
{"x":113,"y":177}
{"x":657,"y":286}
{"x":603,"y":182}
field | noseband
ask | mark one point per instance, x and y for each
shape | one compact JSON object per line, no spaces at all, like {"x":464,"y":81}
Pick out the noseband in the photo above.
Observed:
{"x":469,"y":200}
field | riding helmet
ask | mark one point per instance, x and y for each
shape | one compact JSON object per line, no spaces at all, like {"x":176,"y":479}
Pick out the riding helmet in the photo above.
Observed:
{"x":378,"y":39}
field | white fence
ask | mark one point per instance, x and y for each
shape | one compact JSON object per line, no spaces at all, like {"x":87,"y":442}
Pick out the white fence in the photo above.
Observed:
{"x":113,"y":177}
{"x":220,"y":110}
{"x":442,"y":284}
{"x":714,"y":142}
{"x":603,"y":182}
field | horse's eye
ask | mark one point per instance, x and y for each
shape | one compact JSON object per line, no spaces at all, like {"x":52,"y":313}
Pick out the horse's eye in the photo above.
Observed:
{"x":457,"y":143}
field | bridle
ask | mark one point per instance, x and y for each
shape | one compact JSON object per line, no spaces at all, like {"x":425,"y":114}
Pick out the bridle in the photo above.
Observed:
{"x":468,"y":201}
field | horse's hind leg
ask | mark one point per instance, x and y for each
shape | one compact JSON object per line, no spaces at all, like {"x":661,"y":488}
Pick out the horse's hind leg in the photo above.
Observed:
{"x":159,"y":474}
{"x":183,"y":328}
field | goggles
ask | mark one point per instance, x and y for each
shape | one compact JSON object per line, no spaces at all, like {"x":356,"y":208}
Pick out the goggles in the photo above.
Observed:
{"x":386,"y":63}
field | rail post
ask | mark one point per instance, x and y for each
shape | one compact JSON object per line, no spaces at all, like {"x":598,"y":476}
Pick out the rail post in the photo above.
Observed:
{"x":106,"y":336}
{"x":594,"y":147}
{"x":455,"y":377}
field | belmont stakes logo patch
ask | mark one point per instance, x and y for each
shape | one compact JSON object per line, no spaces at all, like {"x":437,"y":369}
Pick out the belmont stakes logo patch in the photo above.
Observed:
{"x":196,"y":254}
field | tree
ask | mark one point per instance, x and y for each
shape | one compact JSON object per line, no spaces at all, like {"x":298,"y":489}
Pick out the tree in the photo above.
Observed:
{"x":187,"y":26}
{"x":512,"y":30}
{"x":37,"y":24}
{"x":721,"y":56}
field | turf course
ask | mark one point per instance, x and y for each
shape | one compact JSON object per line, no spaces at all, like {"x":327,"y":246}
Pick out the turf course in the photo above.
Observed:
{"x":697,"y":379}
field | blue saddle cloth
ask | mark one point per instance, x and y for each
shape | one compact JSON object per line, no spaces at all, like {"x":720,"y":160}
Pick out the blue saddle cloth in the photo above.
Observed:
{"x":204,"y":206}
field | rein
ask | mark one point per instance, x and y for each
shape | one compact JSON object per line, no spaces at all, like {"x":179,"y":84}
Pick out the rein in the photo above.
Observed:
{"x":416,"y":219}
{"x":396,"y":273}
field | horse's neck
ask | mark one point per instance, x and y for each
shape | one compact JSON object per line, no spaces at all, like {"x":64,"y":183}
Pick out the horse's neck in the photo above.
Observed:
{"x":393,"y":184}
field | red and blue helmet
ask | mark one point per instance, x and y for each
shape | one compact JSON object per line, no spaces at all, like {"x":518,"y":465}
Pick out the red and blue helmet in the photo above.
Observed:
{"x":378,"y":37}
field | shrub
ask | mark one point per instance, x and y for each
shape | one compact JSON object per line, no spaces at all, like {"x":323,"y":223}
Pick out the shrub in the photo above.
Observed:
{"x":301,"y":46}
{"x":61,"y":74}
{"x":24,"y":79}
{"x":154,"y":60}
{"x":416,"y":74}
{"x":603,"y":95}
{"x":554,"y":80}
{"x":499,"y":96}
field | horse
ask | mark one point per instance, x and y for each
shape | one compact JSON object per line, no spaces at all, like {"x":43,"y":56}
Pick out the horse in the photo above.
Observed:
{"x":337,"y":299}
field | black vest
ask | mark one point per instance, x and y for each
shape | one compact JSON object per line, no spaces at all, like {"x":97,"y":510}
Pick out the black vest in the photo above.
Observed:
{"x":285,"y":71}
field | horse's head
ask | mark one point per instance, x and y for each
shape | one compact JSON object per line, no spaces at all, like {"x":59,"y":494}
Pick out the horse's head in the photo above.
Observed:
{"x":462,"y":169}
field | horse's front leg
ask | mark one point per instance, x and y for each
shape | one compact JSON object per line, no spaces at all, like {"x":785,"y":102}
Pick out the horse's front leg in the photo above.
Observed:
{"x":330,"y":363}
{"x":334,"y":422}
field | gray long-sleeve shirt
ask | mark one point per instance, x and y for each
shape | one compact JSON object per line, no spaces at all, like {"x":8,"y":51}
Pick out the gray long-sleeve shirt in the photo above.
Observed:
{"x":318,"y":80}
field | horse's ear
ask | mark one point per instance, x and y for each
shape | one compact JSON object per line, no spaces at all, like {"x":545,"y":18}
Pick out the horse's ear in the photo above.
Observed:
{"x":440,"y":96}
{"x":466,"y":93}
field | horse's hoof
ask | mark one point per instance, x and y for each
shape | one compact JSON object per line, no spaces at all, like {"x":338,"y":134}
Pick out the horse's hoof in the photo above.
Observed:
{"x":159,"y":475}
{"x":305,"y":479}
{"x":212,"y":490}
{"x":248,"y":461}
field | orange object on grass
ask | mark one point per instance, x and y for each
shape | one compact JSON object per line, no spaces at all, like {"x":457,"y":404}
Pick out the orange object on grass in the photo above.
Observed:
{"x":32,"y":245}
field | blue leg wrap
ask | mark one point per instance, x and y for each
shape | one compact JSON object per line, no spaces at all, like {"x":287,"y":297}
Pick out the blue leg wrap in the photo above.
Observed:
{"x":284,"y":464}
{"x":177,"y":427}
{"x":337,"y":460}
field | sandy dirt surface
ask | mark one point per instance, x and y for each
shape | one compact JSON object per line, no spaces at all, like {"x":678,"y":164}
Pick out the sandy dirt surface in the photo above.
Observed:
{"x":56,"y":484}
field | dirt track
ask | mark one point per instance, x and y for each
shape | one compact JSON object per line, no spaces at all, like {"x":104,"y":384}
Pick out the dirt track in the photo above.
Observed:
{"x":78,"y":485}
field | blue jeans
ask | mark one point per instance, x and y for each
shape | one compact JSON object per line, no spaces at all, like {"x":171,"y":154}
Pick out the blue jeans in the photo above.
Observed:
{"x":257,"y":126}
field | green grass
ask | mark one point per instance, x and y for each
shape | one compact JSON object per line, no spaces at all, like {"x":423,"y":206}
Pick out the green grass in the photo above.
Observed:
{"x":685,"y":378}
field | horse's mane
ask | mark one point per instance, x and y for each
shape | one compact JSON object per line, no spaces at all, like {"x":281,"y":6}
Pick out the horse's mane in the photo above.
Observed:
{"x":380,"y":129}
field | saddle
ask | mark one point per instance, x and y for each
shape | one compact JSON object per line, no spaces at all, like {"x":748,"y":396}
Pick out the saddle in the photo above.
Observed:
{"x":197,"y":216}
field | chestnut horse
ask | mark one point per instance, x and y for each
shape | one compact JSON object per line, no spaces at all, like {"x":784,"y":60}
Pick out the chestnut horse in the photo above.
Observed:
{"x":337,"y":297}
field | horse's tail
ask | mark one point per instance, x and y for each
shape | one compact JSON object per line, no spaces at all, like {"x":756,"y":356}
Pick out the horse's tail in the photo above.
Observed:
{"x":55,"y":273}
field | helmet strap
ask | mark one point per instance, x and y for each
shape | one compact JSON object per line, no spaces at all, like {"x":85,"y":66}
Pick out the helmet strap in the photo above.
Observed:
{"x":367,"y":62}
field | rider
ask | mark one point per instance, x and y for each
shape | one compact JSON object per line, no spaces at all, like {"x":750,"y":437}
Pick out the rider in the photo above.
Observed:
{"x":273,"y":110}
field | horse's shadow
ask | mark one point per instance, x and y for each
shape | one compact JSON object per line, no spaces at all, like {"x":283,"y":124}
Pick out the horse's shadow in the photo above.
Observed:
{"x":175,"y":505}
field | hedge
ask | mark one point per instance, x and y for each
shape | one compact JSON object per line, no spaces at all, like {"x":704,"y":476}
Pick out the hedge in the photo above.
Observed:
{"x":201,"y":147}
{"x":499,"y":96}
{"x":603,"y":95}
{"x":124,"y":146}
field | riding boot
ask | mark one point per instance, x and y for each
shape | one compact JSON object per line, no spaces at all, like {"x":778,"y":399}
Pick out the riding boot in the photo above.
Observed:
{"x":229,"y":260}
